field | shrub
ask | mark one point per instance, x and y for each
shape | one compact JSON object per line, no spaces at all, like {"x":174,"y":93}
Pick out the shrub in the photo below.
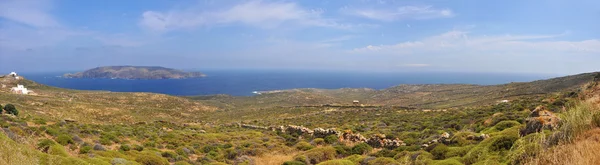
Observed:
{"x":362,"y":148}
{"x":294,"y":163}
{"x":331,"y":139}
{"x":596,"y":119}
{"x":138,"y":148}
{"x":99,"y":147}
{"x":439,"y":152}
{"x":448,"y":162}
{"x":318,"y":141}
{"x":303,"y":146}
{"x":337,"y":162}
{"x":85,"y":149}
{"x":125,"y":147}
{"x":52,"y":132}
{"x":503,"y":143}
{"x":10,"y":109}
{"x":149,"y":159}
{"x":383,"y":160}
{"x":64,"y":140}
{"x":317,"y":155}
{"x":57,"y":150}
{"x":45,"y":144}
{"x":342,"y":149}
{"x":506,"y":124}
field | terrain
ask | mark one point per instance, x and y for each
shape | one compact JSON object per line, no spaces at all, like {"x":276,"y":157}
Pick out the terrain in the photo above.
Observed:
{"x":405,"y":124}
{"x":134,"y":72}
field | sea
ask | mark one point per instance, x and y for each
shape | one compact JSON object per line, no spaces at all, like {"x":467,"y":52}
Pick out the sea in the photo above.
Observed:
{"x":246,"y":82}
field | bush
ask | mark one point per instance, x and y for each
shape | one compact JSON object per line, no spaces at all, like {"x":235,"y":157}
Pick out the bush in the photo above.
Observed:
{"x":383,"y":160}
{"x":318,"y":141}
{"x":362,"y":148}
{"x":294,"y":163}
{"x":596,"y":119}
{"x":45,"y":144}
{"x":64,"y":140}
{"x":337,"y":162}
{"x":57,"y":150}
{"x":149,"y":159}
{"x":138,"y":148}
{"x":439,"y":152}
{"x":331,"y":139}
{"x":303,"y":146}
{"x":503,"y":143}
{"x":125,"y":147}
{"x":52,"y":132}
{"x":317,"y":155}
{"x":506,"y":124}
{"x":10,"y":109}
{"x":448,"y":162}
{"x":85,"y":149}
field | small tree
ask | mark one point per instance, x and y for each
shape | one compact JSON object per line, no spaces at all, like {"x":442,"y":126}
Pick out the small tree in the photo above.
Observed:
{"x":10,"y":109}
{"x":1,"y":108}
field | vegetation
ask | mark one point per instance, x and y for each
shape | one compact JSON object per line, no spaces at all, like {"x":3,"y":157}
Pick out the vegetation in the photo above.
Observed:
{"x":139,"y":128}
{"x":10,"y":109}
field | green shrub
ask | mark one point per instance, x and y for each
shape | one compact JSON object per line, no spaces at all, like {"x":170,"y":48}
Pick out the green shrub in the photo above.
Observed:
{"x":503,"y":143}
{"x":450,"y":161}
{"x":355,"y":158}
{"x":150,"y":159}
{"x":57,"y":150}
{"x":384,"y":161}
{"x":337,"y":162}
{"x":138,"y":148}
{"x":506,"y":124}
{"x":293,"y":163}
{"x":596,"y":120}
{"x":10,"y":109}
{"x":318,"y":141}
{"x":342,"y":149}
{"x":64,"y":140}
{"x":317,"y":155}
{"x":125,"y":147}
{"x":85,"y":149}
{"x":362,"y":148}
{"x":439,"y":152}
{"x":45,"y":144}
{"x":331,"y":139}
{"x":303,"y":146}
{"x":182,"y":163}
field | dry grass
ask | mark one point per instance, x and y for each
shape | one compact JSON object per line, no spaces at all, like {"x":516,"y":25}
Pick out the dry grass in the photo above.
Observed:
{"x":273,"y":158}
{"x":584,"y":151}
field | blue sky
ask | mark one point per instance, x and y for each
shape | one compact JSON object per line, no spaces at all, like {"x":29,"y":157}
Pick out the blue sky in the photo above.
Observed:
{"x":516,"y":36}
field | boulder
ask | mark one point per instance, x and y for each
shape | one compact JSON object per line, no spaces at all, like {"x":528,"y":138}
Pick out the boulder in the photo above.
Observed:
{"x":539,"y":119}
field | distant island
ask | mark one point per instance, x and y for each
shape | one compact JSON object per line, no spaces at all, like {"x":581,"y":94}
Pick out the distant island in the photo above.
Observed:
{"x":134,"y":72}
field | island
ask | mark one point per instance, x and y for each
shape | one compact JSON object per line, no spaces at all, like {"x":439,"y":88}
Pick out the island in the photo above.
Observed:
{"x":135,"y":72}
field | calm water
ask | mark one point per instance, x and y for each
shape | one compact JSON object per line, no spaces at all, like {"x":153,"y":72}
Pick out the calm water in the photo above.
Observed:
{"x":243,"y":83}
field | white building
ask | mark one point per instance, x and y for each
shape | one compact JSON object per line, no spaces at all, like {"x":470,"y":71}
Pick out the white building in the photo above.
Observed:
{"x":20,"y":89}
{"x":14,"y":74}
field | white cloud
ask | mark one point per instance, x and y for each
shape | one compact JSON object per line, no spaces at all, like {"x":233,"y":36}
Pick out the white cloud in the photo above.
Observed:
{"x":401,"y":13}
{"x":32,"y":13}
{"x":253,"y":13}
{"x":461,"y":42}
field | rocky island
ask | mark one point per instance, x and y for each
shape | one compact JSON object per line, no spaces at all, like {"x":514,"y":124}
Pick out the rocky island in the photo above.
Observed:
{"x":135,"y":72}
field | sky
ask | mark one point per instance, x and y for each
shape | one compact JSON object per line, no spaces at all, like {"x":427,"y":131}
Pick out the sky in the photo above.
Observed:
{"x":509,"y":36}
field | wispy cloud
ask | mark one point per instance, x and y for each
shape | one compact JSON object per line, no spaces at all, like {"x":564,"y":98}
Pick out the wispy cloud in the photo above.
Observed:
{"x":460,"y":41}
{"x":401,"y":13}
{"x":32,"y":13}
{"x":254,"y":13}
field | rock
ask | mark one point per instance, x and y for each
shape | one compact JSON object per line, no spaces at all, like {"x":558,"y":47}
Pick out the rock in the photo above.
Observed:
{"x":245,"y":160}
{"x":539,"y":119}
{"x":99,"y":147}
{"x":118,"y":161}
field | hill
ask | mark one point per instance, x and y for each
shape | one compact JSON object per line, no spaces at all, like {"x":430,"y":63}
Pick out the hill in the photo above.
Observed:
{"x":406,"y":124}
{"x":135,"y":72}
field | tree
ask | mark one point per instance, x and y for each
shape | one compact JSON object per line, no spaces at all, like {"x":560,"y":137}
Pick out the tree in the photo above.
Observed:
{"x":10,"y":109}
{"x":1,"y":108}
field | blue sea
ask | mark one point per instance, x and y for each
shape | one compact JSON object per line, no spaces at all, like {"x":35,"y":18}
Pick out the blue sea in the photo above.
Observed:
{"x":244,"y":82}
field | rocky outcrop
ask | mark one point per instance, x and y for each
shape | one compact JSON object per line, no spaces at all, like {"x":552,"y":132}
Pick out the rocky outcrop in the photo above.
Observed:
{"x":539,"y":119}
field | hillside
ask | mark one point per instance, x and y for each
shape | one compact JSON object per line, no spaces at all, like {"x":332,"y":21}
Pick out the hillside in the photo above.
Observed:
{"x":135,"y":72}
{"x":407,"y":124}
